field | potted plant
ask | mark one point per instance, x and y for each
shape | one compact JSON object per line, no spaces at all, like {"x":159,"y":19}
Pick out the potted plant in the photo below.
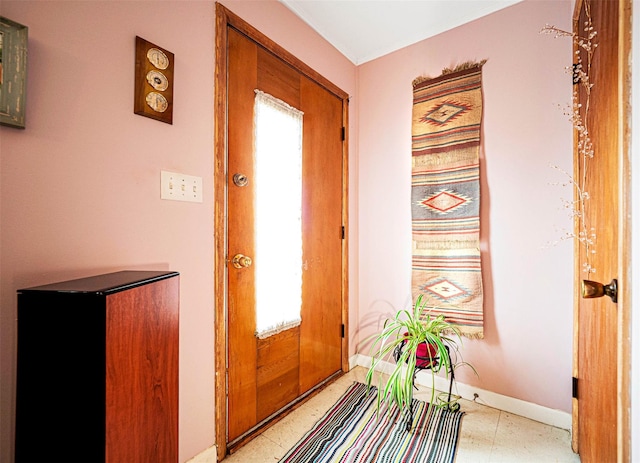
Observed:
{"x":418,"y":340}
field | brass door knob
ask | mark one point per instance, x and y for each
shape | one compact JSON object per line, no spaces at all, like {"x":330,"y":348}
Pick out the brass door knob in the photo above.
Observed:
{"x":241,"y":261}
{"x":591,"y":289}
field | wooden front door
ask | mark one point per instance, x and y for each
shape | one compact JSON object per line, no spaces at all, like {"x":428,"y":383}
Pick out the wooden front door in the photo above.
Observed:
{"x":601,"y":364}
{"x":265,"y":376}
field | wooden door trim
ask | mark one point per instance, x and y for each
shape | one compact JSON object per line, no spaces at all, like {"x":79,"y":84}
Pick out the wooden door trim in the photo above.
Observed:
{"x":577,"y":268}
{"x":224,"y":19}
{"x":624,"y":271}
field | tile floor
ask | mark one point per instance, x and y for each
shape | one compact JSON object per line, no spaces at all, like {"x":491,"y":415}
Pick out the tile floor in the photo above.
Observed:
{"x":487,"y":435}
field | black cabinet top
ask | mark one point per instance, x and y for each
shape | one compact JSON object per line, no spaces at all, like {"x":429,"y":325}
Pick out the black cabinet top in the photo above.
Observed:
{"x":104,"y":284}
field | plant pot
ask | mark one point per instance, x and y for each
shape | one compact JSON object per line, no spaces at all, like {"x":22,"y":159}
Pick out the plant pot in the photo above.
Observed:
{"x":426,"y":354}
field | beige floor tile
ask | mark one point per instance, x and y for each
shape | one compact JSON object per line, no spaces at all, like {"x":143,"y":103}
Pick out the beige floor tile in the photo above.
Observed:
{"x":260,"y":450}
{"x":523,"y":440}
{"x":477,"y":432}
{"x":292,"y":427}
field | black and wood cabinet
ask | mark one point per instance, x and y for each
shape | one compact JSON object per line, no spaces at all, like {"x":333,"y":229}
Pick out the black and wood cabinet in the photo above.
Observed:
{"x":97,"y":370}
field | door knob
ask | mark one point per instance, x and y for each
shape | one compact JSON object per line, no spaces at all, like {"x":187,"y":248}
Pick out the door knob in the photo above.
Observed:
{"x":240,"y":261}
{"x":591,"y":289}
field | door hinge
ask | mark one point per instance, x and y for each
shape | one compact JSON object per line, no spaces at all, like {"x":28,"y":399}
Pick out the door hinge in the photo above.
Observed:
{"x":574,"y":387}
{"x":344,"y":133}
{"x":342,"y":331}
{"x":342,"y":232}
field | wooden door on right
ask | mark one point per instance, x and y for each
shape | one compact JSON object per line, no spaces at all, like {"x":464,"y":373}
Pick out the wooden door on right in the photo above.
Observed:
{"x":599,"y":322}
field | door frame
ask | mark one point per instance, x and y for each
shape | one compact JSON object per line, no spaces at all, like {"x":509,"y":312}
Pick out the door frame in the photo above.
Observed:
{"x":224,"y":19}
{"x":623,"y":343}
{"x":624,"y":293}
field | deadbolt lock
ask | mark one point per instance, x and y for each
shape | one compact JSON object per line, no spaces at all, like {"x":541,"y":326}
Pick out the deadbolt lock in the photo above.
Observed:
{"x":240,"y":179}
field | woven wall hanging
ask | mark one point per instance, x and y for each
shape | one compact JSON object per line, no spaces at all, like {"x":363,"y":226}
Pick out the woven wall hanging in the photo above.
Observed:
{"x":445,"y":195}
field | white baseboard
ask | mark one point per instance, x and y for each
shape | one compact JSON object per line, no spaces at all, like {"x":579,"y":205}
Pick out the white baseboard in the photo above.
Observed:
{"x":519,"y":407}
{"x":209,"y":455}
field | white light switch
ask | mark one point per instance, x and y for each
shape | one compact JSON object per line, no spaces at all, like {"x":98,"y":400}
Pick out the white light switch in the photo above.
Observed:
{"x":180,"y":187}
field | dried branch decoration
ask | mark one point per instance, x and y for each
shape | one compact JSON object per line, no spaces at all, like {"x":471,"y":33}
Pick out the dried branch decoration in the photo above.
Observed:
{"x":585,"y":48}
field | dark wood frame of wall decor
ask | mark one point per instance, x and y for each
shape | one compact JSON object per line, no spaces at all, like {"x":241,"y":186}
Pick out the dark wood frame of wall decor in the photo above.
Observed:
{"x":13,"y":69}
{"x":225,"y":19}
{"x":143,"y":87}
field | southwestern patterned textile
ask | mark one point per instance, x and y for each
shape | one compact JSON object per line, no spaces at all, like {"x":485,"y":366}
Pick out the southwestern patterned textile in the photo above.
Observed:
{"x":351,"y":431}
{"x":445,"y":195}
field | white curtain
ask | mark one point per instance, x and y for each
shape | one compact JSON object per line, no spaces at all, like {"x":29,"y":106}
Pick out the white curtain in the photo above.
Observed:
{"x":278,"y":186}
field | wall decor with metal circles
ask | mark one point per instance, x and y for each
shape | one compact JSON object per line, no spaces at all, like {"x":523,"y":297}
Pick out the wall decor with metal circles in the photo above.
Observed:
{"x":154,"y":82}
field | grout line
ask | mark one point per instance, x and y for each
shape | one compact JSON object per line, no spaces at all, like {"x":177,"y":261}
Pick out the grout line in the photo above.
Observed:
{"x":495,"y":435}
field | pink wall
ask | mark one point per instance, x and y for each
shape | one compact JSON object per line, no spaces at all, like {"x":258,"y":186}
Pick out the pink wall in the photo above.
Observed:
{"x":80,"y":187}
{"x":527,"y":349}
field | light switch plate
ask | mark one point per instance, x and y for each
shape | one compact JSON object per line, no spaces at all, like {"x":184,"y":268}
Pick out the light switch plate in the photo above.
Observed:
{"x":180,"y":187}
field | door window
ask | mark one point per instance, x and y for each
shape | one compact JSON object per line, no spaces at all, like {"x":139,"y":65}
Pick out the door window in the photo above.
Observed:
{"x":278,"y":209}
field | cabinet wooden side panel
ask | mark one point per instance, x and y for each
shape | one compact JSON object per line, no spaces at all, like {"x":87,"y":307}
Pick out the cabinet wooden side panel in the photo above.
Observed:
{"x":142,"y":373}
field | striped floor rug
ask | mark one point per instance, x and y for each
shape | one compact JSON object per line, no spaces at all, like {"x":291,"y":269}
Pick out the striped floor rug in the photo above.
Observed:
{"x":351,"y":432}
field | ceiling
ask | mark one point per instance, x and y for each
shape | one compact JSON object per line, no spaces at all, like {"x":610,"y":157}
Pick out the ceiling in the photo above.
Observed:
{"x":363,"y":30}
